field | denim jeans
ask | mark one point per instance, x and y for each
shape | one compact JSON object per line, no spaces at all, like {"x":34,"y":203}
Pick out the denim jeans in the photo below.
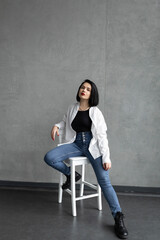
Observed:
{"x":79,"y":147}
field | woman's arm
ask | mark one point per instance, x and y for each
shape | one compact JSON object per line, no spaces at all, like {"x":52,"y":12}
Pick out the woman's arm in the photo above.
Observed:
{"x":104,"y":149}
{"x":55,"y":129}
{"x":62,"y":124}
{"x":103,"y":141}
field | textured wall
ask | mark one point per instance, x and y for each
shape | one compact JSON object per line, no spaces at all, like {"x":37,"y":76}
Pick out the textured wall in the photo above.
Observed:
{"x":133,"y":90}
{"x":47,"y":48}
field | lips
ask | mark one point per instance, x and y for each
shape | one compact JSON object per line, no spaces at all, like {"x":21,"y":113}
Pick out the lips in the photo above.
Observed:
{"x":82,"y":94}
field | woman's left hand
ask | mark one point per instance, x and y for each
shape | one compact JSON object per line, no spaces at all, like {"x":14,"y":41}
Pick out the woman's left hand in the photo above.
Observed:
{"x":106,"y":166}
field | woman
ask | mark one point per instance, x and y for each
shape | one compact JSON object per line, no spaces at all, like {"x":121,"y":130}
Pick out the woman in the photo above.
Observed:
{"x":85,"y":135}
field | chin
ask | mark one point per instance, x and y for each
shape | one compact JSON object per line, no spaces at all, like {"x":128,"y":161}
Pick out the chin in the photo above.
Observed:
{"x":83,"y":97}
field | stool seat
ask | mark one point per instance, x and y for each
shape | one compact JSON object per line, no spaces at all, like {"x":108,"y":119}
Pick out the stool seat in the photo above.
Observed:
{"x":78,"y":160}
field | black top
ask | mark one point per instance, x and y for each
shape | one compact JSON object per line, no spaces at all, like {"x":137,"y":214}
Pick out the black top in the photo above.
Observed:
{"x":82,"y":122}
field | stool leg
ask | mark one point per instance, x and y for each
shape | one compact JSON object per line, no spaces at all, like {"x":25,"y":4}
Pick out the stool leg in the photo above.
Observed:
{"x":73,"y":190}
{"x":99,"y":197}
{"x":82,"y":181}
{"x":60,"y":190}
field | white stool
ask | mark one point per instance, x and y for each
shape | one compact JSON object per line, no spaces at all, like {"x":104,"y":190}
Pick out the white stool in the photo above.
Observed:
{"x":73,"y":162}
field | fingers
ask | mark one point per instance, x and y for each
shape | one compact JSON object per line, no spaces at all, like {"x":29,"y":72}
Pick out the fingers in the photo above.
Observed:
{"x":53,"y":135}
{"x":54,"y":131}
{"x":106,"y":166}
{"x":57,"y":132}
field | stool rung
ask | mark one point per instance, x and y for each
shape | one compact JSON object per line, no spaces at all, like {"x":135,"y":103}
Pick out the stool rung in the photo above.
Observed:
{"x":68,"y":191}
{"x":87,"y":196}
{"x":90,"y":185}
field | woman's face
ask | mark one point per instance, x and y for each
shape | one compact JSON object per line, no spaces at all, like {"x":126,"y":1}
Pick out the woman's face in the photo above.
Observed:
{"x":85,"y":91}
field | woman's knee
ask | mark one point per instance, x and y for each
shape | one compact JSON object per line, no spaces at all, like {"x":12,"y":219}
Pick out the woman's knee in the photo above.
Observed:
{"x":48,"y":158}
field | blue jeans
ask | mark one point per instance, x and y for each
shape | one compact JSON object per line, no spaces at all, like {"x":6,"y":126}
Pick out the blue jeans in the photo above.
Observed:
{"x":79,"y":147}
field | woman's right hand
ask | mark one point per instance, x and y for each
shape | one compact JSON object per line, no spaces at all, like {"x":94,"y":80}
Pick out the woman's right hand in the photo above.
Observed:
{"x":54,"y":131}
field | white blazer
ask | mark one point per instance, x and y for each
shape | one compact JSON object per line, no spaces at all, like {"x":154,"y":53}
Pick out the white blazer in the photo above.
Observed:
{"x":99,"y":143}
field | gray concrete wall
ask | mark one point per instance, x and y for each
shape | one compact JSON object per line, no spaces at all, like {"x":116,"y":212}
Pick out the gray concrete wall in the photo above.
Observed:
{"x":47,"y":48}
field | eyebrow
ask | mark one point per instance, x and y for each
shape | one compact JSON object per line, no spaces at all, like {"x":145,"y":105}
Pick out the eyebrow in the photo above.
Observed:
{"x":86,"y":87}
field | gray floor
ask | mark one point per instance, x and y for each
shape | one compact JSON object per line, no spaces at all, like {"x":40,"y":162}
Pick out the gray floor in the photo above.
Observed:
{"x":36,"y":215}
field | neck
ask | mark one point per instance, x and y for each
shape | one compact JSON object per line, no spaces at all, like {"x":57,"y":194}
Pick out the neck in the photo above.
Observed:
{"x":84,"y":105}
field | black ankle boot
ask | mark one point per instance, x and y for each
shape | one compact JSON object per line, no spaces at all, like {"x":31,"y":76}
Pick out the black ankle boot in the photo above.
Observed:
{"x":67,"y":183}
{"x":119,"y":226}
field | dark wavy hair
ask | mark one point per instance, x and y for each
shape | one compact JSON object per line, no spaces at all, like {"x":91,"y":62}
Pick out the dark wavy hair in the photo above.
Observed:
{"x":94,"y":97}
